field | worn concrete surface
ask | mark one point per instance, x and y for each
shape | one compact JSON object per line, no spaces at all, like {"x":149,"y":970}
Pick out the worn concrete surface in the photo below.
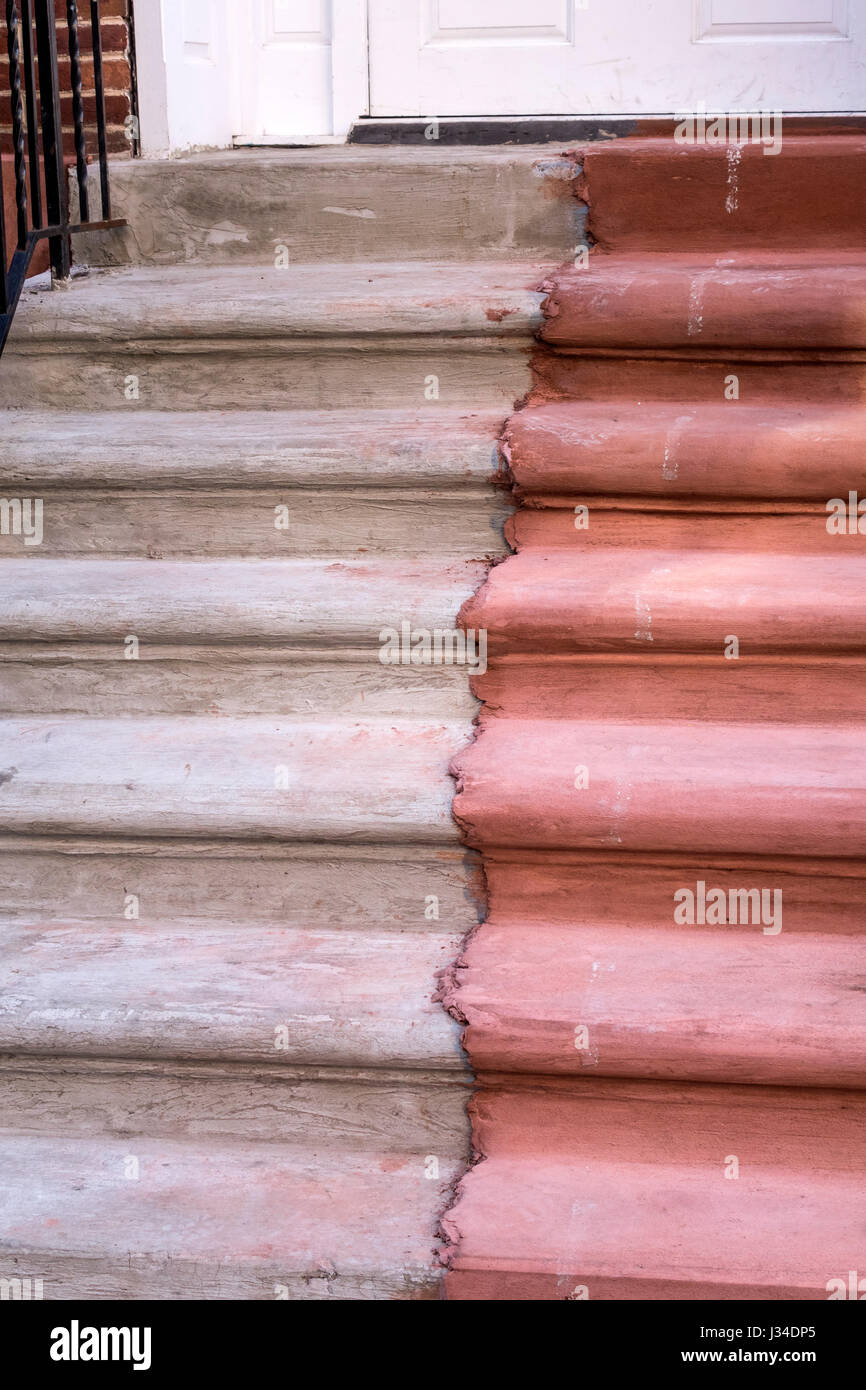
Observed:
{"x":228,"y":980}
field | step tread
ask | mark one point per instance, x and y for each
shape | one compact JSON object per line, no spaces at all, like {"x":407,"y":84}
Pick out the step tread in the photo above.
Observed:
{"x":669,"y":786}
{"x":763,"y":300}
{"x":345,"y":996}
{"x":616,"y":588}
{"x":322,"y":601}
{"x":684,"y":449}
{"x":218,"y":1220}
{"x":295,"y":448}
{"x":379,"y":781}
{"x":631,"y":1197}
{"x":694,"y":1003}
{"x":337,"y":300}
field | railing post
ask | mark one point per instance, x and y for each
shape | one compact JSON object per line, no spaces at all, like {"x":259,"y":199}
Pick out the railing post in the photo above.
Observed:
{"x":77,"y":109}
{"x":52,"y":136}
{"x":99,"y":85}
{"x":4,"y":291}
{"x":17,"y":110}
{"x":32,"y":126}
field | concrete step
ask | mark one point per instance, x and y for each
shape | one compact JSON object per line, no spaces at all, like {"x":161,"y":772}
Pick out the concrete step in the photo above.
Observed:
{"x":159,"y":1180}
{"x":147,"y":450}
{"x":132,"y":1217}
{"x":342,"y":203}
{"x":318,"y":603}
{"x":322,"y":336}
{"x":259,"y":484}
{"x":255,"y":778}
{"x":242,"y":991}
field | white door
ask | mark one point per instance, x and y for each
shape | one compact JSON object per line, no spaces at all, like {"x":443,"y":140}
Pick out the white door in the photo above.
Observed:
{"x":603,"y":57}
{"x":301,"y":69}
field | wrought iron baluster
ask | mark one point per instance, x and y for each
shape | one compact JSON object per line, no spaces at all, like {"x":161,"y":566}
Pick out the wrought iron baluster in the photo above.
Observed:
{"x":99,"y":86}
{"x":77,"y":107}
{"x":32,"y":122}
{"x":34,"y":83}
{"x":52,"y":136}
{"x":17,"y":109}
{"x":4,"y":292}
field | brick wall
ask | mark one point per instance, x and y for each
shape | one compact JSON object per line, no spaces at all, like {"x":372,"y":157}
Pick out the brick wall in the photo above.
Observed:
{"x":117,"y":73}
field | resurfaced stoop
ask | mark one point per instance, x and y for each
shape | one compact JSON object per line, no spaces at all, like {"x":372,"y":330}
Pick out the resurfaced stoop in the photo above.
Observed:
{"x":262,"y":430}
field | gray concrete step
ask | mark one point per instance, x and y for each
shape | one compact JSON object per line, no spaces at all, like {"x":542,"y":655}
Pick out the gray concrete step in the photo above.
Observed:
{"x":395,"y":336}
{"x":342,"y":204}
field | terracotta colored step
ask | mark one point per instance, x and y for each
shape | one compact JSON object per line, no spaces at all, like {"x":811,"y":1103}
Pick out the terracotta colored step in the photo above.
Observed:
{"x":732,"y":450}
{"x":774,"y":996}
{"x":757,"y":300}
{"x":618,"y":1190}
{"x":689,"y":787}
{"x":655,"y":194}
{"x":632,"y":598}
{"x":690,"y":1003}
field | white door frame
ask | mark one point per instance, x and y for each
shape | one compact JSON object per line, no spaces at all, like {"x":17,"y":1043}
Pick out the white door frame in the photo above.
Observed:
{"x":194,"y":56}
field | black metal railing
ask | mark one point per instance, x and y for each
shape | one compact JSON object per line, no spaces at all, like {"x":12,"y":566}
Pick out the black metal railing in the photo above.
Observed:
{"x":41,"y":191}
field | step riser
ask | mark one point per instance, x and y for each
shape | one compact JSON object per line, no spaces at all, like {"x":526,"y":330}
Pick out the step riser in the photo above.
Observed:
{"x":353,"y":206}
{"x":158,"y":525}
{"x":329,"y":887}
{"x":238,"y":993}
{"x":703,"y":198}
{"x":289,"y":376}
{"x":275,"y":1105}
{"x":100,"y":683}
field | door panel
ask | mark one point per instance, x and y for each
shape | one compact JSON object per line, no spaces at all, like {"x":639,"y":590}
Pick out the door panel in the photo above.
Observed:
{"x":288,"y":83}
{"x":573,"y":57}
{"x":302,"y":68}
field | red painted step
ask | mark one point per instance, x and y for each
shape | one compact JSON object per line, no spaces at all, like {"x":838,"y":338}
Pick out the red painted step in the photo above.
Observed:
{"x":666,"y":1006}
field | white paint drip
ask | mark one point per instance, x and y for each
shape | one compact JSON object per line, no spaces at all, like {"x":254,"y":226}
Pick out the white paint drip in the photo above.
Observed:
{"x":696,"y":307}
{"x":351,"y":212}
{"x":734,"y":155}
{"x":671,"y":467}
{"x":643,"y":619}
